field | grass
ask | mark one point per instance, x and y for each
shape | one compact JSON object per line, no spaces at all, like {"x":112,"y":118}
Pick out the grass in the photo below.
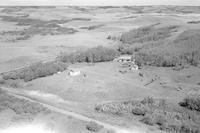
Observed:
{"x":37,"y":27}
{"x":35,"y":71}
{"x":96,"y":54}
{"x":157,"y":112}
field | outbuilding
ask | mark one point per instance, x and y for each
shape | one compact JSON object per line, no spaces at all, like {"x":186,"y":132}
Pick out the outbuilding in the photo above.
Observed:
{"x":74,"y":73}
{"x":124,"y":58}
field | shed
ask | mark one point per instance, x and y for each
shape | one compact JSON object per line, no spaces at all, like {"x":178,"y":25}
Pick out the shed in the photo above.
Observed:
{"x":74,"y":73}
{"x":124,"y":58}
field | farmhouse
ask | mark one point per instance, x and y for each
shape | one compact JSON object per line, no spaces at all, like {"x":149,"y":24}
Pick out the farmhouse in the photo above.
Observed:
{"x":124,"y":58}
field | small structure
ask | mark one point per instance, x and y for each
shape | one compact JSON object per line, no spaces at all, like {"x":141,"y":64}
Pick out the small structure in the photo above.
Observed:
{"x":134,"y":67}
{"x":59,"y":72}
{"x":74,"y":73}
{"x":124,"y":58}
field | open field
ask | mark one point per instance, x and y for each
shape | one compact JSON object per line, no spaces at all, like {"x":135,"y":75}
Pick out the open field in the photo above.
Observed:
{"x":63,"y":57}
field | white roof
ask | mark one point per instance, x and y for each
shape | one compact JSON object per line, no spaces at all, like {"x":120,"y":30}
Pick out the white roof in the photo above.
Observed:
{"x":125,"y":57}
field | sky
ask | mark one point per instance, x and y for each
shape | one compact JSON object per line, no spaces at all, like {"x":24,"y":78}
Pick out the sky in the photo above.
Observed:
{"x":100,"y":2}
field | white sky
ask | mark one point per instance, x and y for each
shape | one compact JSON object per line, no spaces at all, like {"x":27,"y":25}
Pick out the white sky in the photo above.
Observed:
{"x":100,"y":2}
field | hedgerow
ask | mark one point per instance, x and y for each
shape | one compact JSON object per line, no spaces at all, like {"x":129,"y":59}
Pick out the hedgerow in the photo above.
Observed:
{"x":35,"y":71}
{"x":96,"y":54}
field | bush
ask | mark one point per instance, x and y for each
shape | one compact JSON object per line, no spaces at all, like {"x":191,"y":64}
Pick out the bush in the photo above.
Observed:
{"x":93,"y":126}
{"x":147,"y":121}
{"x":97,"y":54}
{"x":138,"y":111}
{"x":35,"y":71}
{"x":191,"y":102}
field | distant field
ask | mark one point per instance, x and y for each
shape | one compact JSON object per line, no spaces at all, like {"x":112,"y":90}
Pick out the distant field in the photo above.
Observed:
{"x":42,"y":33}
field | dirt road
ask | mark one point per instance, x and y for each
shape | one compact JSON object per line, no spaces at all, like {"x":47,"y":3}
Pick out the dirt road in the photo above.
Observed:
{"x":117,"y":129}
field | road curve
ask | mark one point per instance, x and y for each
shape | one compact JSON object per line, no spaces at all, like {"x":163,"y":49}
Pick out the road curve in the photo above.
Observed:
{"x":22,"y":95}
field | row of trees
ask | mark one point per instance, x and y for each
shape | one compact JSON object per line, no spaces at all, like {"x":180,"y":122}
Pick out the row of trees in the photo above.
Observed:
{"x":97,"y":54}
{"x":168,"y":60}
{"x":35,"y":71}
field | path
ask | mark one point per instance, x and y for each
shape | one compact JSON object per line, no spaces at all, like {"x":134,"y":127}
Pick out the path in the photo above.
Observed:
{"x":22,"y":95}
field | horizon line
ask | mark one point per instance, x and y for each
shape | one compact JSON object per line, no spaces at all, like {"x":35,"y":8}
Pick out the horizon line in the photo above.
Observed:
{"x":50,"y":5}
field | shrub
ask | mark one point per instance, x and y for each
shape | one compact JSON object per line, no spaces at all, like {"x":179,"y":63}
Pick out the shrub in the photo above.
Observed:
{"x":147,"y":121}
{"x":191,"y":102}
{"x":138,"y":111}
{"x":93,"y":126}
{"x":97,"y":54}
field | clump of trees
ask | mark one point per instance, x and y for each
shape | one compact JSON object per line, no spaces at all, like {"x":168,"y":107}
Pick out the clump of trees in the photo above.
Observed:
{"x":185,"y":49}
{"x":96,"y":54}
{"x":168,"y":60}
{"x":151,"y":46}
{"x":191,"y":102}
{"x":35,"y":71}
{"x":158,"y":112}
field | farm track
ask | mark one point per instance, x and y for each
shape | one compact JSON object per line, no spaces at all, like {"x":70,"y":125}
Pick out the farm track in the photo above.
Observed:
{"x":22,"y":95}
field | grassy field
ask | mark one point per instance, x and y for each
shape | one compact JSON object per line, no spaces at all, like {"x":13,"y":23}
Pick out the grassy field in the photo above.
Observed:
{"x":163,"y":40}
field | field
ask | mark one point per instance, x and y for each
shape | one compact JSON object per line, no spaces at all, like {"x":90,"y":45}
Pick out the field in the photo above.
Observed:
{"x":62,"y":57}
